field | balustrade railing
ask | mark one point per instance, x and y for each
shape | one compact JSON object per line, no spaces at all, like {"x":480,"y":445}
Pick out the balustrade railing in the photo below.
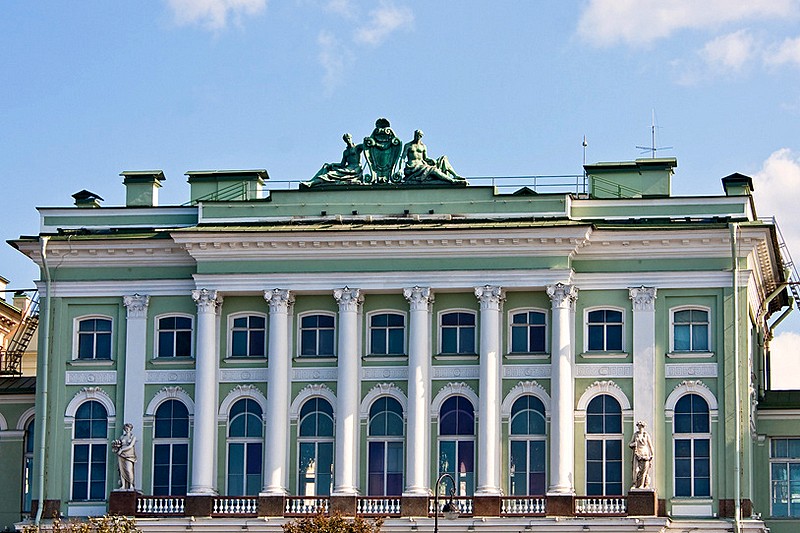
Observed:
{"x":378,"y":506}
{"x":235,"y":506}
{"x":601,"y":506}
{"x":523,"y":506}
{"x":306,"y":505}
{"x":464,"y":505}
{"x":159,"y":505}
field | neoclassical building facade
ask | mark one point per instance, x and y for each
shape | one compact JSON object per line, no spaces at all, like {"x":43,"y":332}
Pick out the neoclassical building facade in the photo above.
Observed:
{"x":341,"y":347}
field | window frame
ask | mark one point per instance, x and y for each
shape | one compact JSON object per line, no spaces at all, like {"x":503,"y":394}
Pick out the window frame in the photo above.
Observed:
{"x":76,"y":336}
{"x":457,"y":439}
{"x":316,"y":440}
{"x":604,"y":437}
{"x":369,"y":327}
{"x":709,"y":351}
{"x":623,"y":332}
{"x":510,"y":331}
{"x":171,"y":442}
{"x":157,"y":334}
{"x":28,"y":441}
{"x":230,"y":331}
{"x":440,"y":332}
{"x":527,"y":438}
{"x":300,"y":329}
{"x":246,"y":441}
{"x":386,"y":440}
{"x":91,"y":442}
{"x":692,"y":437}
{"x":787,"y":482}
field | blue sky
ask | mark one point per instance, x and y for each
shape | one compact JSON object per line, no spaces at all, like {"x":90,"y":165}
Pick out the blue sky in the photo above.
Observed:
{"x":93,"y":88}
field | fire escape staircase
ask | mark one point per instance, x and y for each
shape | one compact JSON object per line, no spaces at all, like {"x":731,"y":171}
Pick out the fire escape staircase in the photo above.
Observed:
{"x":11,"y":357}
{"x":788,"y":264}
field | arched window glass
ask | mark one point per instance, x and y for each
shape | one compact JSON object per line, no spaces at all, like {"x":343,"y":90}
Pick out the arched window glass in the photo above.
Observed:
{"x":27,"y":468}
{"x":527,"y":456}
{"x":603,"y":447}
{"x":89,"y":452}
{"x":94,"y":338}
{"x":245,"y":448}
{"x":457,"y":444}
{"x":385,"y":448}
{"x":315,"y":458}
{"x":692,"y":440}
{"x":171,"y":449}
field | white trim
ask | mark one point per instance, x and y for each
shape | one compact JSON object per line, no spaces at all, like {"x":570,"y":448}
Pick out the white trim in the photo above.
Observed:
{"x":75,"y":336}
{"x":25,"y":418}
{"x":525,"y":388}
{"x":453,"y":389}
{"x":608,"y":388}
{"x":237,"y":393}
{"x":439,"y":335}
{"x":86,"y":394}
{"x":3,"y":423}
{"x":690,"y":387}
{"x":157,"y":331}
{"x":311,"y":391}
{"x":169,"y":393}
{"x":368,"y":327}
{"x":229,"y":335}
{"x":708,"y":352}
{"x":378,"y":391}
{"x":509,"y":325}
{"x":299,"y":325}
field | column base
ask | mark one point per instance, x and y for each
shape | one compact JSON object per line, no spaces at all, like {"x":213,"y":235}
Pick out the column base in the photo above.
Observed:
{"x":271,"y":505}
{"x":414,"y":505}
{"x":486,"y":505}
{"x":198,"y":505}
{"x":560,"y":505}
{"x":123,"y":502}
{"x":344,"y":504}
{"x":642,"y":502}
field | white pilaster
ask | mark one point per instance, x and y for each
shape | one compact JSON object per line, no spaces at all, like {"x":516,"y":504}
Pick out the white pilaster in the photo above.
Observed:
{"x":276,"y":442}
{"x":644,"y":355}
{"x":418,"y":443}
{"x":347,"y":393}
{"x":135,"y":358}
{"x":489,"y":436}
{"x":204,"y":441}
{"x":562,"y":433}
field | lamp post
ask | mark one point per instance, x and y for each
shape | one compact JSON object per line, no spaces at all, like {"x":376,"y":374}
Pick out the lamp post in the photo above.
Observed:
{"x":450,"y":509}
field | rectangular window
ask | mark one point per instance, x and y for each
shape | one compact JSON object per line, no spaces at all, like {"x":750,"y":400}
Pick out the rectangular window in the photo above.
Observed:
{"x":604,"y":331}
{"x":387,"y":334}
{"x":785,"y":477}
{"x":94,"y":338}
{"x":175,"y":336}
{"x":89,"y":471}
{"x":690,"y":330}
{"x":170,"y":469}
{"x":458,"y":333}
{"x":528,"y":332}
{"x":316,"y":336}
{"x":692,"y":468}
{"x":604,"y":467}
{"x":249,"y":336}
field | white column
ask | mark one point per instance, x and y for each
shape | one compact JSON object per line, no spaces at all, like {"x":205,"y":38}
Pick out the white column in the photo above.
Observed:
{"x":204,"y":438}
{"x":562,"y":430}
{"x":276,"y":442}
{"x":347,"y":393}
{"x":418,"y":442}
{"x":490,"y":394}
{"x":135,"y":357}
{"x":644,"y":355}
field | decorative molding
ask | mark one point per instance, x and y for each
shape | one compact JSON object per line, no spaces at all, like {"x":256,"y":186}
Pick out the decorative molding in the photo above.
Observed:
{"x":603,"y":387}
{"x":691,"y":387}
{"x":314,"y":374}
{"x":593,"y":370}
{"x":419,"y":298}
{"x":239,"y":375}
{"x":279,"y":300}
{"x":248,"y":391}
{"x":382,"y":389}
{"x":489,"y":296}
{"x":25,"y":417}
{"x":372,"y":373}
{"x":524,"y":388}
{"x":3,"y":423}
{"x":313,"y":390}
{"x":455,"y":372}
{"x":169,"y":393}
{"x":348,"y":299}
{"x":158,"y":377}
{"x":94,"y":377}
{"x":643,"y":298}
{"x":207,"y":300}
{"x":136,"y":305}
{"x":453,"y":389}
{"x":527,"y":371}
{"x":562,"y":295}
{"x":691,"y":370}
{"x":86,"y":394}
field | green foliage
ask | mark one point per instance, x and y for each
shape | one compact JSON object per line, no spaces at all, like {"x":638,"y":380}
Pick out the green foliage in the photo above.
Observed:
{"x":321,"y":523}
{"x":99,"y":524}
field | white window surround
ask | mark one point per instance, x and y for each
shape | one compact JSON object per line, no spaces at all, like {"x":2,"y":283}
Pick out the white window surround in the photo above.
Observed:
{"x":691,"y":387}
{"x":379,"y":390}
{"x":23,"y":420}
{"x":3,"y":423}
{"x":443,"y":312}
{"x":453,"y":389}
{"x":239,"y":392}
{"x":692,"y":437}
{"x":169,"y":393}
{"x":299,"y":336}
{"x":89,"y":393}
{"x":75,"y":325}
{"x":156,"y":332}
{"x":525,"y":388}
{"x":368,"y":328}
{"x":509,"y":319}
{"x":311,"y":391}
{"x":690,"y":354}
{"x":608,"y":388}
{"x":619,"y":353}
{"x":229,"y":333}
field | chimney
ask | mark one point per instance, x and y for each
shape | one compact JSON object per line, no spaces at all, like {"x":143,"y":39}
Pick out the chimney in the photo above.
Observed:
{"x":86,"y":199}
{"x":142,"y":187}
{"x":738,"y":185}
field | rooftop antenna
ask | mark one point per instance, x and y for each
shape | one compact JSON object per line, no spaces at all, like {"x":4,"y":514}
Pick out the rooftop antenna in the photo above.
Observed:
{"x":584,"y":144}
{"x":653,"y":148}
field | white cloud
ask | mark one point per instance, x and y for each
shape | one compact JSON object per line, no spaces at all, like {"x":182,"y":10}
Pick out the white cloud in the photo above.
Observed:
{"x":383,"y":20}
{"x":731,"y":51}
{"x":340,"y":7}
{"x":786,"y":52}
{"x":783,"y":360}
{"x":632,"y":22}
{"x":214,"y":14}
{"x":777,"y":192}
{"x":335,"y":60}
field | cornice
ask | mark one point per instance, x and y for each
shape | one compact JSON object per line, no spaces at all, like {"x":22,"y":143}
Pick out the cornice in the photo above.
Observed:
{"x":109,"y":252}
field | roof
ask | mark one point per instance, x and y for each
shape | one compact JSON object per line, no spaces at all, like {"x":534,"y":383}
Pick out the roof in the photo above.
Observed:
{"x":780,"y":399}
{"x":23,"y":385}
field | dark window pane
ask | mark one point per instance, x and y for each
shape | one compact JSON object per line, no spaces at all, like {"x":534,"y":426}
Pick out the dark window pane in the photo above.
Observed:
{"x":596,"y":341}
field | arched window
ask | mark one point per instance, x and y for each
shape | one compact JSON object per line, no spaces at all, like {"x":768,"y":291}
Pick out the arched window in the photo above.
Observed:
{"x":174,"y":336}
{"x":89,"y":452}
{"x":457,"y":443}
{"x":457,"y":333}
{"x":527,"y":442}
{"x":94,"y":338}
{"x":248,"y":336}
{"x":692,"y":438}
{"x":245,"y":448}
{"x":528,"y":332}
{"x":385,"y":448}
{"x":604,"y":330}
{"x":387,"y":334}
{"x":603,"y":447}
{"x":690,"y":330}
{"x":27,"y":468}
{"x":317,"y":335}
{"x":315,"y":460}
{"x":171,"y":449}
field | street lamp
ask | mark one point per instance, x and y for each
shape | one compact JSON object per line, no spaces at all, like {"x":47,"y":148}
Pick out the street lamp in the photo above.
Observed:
{"x":449,"y":509}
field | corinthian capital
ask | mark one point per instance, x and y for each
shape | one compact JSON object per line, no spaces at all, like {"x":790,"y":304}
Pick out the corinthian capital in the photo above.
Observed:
{"x":562,"y":295}
{"x":279,"y":300}
{"x":489,"y":296}
{"x":644,"y":298}
{"x":419,"y":298}
{"x":348,"y":299}
{"x":207,"y":300}
{"x":136,"y":305}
